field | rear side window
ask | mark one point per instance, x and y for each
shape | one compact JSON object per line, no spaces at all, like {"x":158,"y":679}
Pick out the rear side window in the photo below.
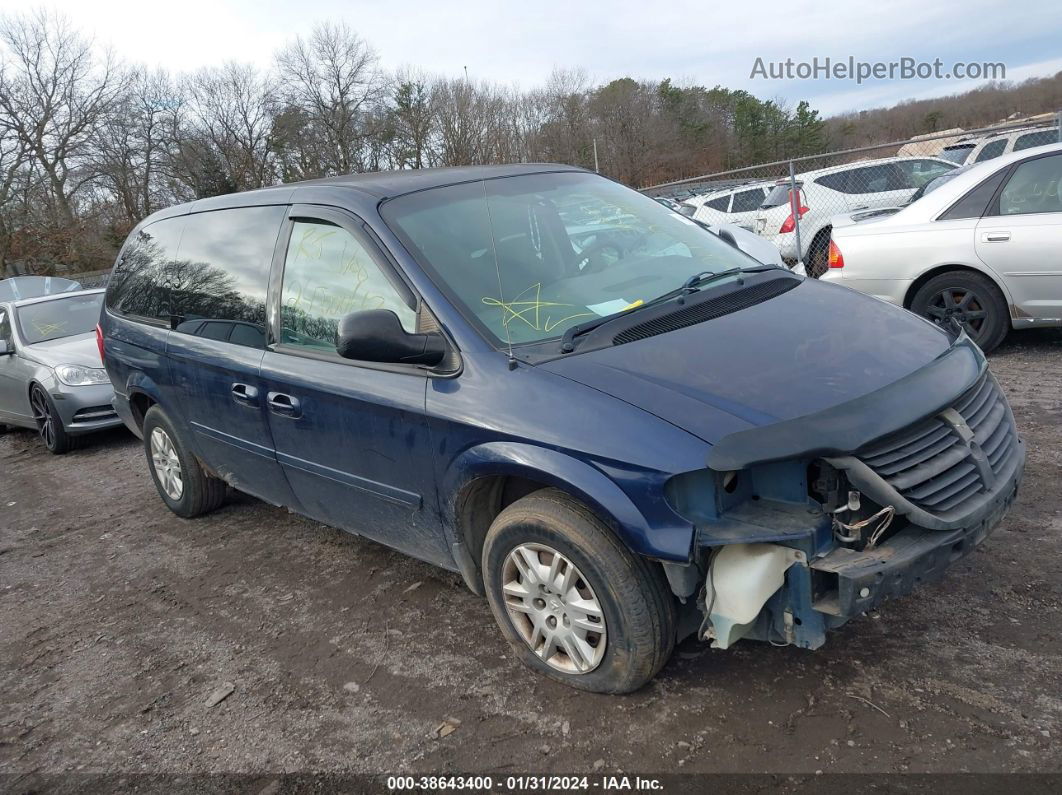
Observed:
{"x":838,"y":181}
{"x":1038,"y":138}
{"x":973,"y":204}
{"x":747,"y":201}
{"x":138,"y":288}
{"x":221,"y":273}
{"x":991,"y":150}
{"x":719,"y":204}
{"x":876,"y":179}
{"x":1033,"y":187}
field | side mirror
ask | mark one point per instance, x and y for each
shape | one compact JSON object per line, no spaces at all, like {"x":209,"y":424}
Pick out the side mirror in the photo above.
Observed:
{"x":376,"y":335}
{"x":6,"y":348}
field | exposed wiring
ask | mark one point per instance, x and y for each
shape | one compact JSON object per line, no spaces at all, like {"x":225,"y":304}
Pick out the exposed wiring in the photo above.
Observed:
{"x":709,"y":600}
{"x":854,"y":532}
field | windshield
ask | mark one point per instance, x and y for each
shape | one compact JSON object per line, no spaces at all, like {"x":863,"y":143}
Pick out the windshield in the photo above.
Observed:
{"x":570,"y":247}
{"x":63,"y":317}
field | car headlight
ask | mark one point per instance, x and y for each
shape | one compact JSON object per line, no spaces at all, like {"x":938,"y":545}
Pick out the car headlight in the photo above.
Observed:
{"x":76,"y":375}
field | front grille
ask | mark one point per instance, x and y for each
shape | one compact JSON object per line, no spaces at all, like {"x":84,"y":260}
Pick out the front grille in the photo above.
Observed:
{"x":938,"y":464}
{"x":706,"y":310}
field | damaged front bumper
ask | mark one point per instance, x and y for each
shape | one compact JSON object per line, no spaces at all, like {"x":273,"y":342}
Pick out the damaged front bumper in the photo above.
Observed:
{"x":859,"y":580}
{"x":799,"y":545}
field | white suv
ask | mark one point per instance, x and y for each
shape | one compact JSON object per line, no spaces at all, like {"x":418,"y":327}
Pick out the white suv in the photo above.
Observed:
{"x":994,"y":146}
{"x":869,"y":184}
{"x":737,"y":205}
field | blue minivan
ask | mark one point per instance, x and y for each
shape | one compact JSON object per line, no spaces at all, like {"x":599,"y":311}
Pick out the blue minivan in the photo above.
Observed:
{"x":619,"y":428}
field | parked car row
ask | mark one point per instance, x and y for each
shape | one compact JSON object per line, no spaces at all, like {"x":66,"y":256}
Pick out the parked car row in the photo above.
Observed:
{"x":982,"y":247}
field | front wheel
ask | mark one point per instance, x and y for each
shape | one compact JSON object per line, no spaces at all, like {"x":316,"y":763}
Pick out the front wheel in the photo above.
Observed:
{"x":969,"y":299}
{"x":49,"y":424}
{"x":573,"y":602}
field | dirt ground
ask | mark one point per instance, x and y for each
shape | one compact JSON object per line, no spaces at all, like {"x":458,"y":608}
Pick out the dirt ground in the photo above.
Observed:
{"x":119,"y":620}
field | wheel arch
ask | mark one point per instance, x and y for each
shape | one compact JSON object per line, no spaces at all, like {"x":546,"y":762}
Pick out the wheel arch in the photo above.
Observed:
{"x":937,"y":270}
{"x":488,"y":478}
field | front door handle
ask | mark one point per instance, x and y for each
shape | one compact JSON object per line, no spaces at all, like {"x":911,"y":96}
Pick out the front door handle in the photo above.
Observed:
{"x":286,"y":405}
{"x":995,"y":237}
{"x":245,"y":394}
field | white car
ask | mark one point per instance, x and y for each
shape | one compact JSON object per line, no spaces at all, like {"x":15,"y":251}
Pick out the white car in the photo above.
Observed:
{"x":866,"y":185}
{"x":993,"y":146}
{"x":984,"y":249}
{"x":737,"y":205}
{"x":753,"y":245}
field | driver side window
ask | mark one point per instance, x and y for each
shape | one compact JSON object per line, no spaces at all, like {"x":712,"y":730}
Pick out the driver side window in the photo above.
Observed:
{"x":328,"y":273}
{"x":1034,"y":187}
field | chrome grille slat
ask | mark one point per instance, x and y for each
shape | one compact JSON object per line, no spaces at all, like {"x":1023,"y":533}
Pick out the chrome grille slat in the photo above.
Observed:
{"x":930,"y":464}
{"x":909,"y":437}
{"x":955,"y":479}
{"x":923,"y":472}
{"x":960,"y":497}
{"x":913,"y":453}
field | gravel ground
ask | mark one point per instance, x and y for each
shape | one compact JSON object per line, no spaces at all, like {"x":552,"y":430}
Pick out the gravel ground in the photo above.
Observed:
{"x":119,"y":621}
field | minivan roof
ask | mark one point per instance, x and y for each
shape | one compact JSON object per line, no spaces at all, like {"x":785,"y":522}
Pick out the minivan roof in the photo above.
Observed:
{"x":372,"y":187}
{"x":387,"y":184}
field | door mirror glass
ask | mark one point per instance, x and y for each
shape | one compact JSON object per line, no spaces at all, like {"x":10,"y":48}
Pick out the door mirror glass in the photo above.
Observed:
{"x":5,"y":348}
{"x":376,"y":335}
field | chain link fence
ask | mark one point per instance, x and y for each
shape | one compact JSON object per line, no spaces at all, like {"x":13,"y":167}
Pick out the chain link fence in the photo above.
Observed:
{"x":793,"y":203}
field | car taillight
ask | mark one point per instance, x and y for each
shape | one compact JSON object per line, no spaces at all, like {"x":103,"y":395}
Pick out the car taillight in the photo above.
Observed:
{"x":789,"y":224}
{"x":99,"y":341}
{"x":835,"y":258}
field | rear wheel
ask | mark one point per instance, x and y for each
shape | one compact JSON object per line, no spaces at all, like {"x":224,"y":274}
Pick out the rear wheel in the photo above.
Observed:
{"x":968,"y":298}
{"x":49,"y":425}
{"x":182,"y":483}
{"x":574,"y":603}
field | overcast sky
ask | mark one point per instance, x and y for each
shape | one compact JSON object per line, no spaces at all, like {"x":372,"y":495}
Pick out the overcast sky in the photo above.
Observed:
{"x":707,"y":42}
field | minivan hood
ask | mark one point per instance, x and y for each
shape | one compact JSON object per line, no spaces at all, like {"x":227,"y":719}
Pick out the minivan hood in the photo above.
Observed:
{"x":81,"y":349}
{"x":809,"y":349}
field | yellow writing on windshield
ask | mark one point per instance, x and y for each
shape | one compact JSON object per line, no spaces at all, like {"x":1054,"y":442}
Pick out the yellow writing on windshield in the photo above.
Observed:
{"x":529,"y":310}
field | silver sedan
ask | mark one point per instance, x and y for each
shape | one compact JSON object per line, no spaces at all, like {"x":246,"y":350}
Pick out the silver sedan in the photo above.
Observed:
{"x":51,"y":375}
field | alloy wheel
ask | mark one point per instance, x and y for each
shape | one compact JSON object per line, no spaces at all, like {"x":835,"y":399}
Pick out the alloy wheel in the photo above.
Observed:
{"x":167,"y":464}
{"x":42,"y":415}
{"x":554,"y":609}
{"x":961,"y":305}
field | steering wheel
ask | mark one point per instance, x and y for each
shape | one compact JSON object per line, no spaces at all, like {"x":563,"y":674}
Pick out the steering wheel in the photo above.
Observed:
{"x":599,"y":255}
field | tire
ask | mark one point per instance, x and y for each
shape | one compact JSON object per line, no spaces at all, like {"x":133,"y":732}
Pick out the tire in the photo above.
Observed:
{"x":818,"y":261}
{"x":49,"y":424}
{"x":636,"y":608}
{"x":972,"y":299}
{"x":186,"y":489}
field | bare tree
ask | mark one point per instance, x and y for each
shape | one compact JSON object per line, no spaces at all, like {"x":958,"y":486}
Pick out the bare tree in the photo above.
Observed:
{"x":54,"y":93}
{"x":231,"y":110}
{"x":412,"y":120}
{"x":333,"y":80}
{"x":133,"y":146}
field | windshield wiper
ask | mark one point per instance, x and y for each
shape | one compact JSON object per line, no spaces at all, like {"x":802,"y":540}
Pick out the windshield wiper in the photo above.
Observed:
{"x":691,"y":285}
